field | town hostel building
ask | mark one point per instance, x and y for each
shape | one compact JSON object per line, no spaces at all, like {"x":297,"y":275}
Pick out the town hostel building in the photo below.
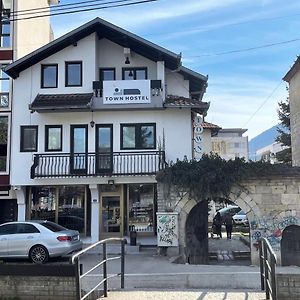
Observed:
{"x":96,"y":114}
{"x":17,"y":38}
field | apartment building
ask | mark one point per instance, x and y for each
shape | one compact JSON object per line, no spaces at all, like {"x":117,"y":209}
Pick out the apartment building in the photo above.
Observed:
{"x":96,"y":114}
{"x":17,"y":38}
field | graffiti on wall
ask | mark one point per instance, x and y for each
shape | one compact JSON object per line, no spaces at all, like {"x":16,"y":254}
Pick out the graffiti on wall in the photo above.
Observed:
{"x":271,"y":228}
{"x":167,"y":229}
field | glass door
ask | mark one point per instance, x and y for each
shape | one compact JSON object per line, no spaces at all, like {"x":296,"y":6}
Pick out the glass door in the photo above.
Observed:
{"x":104,"y":148}
{"x":111,"y":216}
{"x":78,"y":159}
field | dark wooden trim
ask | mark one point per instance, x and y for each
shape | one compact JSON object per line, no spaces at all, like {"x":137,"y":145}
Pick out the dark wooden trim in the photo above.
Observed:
{"x":138,"y":144}
{"x":42,"y":75}
{"x":6,"y":54}
{"x":21,"y":269}
{"x":134,"y":71}
{"x":47,"y":127}
{"x":22,"y":127}
{"x":67,"y":63}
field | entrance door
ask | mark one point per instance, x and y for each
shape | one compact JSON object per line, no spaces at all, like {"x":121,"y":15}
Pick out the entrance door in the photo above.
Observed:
{"x":79,"y":147}
{"x":104,"y":148}
{"x":111,"y":218}
{"x":290,"y":246}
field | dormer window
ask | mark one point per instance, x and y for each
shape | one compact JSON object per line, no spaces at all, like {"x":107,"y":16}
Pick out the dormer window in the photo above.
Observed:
{"x":49,"y":76}
{"x":134,"y":73}
{"x":73,"y":73}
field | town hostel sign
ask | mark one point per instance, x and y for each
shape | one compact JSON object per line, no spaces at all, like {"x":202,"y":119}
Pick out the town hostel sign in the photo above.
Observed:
{"x":126,"y":92}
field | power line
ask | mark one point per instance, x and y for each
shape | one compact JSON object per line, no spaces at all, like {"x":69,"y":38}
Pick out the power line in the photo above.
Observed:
{"x":62,"y":7}
{"x":246,"y":49}
{"x":84,"y":10}
{"x":263,"y":103}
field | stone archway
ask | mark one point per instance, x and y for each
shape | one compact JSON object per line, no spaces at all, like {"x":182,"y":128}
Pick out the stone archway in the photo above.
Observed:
{"x":197,"y":234}
{"x":271,"y":204}
{"x":290,"y":246}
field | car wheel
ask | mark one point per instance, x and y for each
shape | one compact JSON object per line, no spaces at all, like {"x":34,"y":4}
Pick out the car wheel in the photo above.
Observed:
{"x":38,"y":254}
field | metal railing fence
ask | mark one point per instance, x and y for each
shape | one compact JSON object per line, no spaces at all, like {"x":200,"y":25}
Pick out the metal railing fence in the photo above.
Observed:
{"x":80,"y":275}
{"x":267,"y":259}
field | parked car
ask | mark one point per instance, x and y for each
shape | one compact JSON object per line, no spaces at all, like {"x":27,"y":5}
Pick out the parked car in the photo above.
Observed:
{"x":240,"y":218}
{"x":230,"y":209}
{"x":37,"y":240}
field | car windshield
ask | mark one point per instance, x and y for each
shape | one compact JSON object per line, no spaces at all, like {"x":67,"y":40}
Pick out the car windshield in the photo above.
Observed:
{"x":53,"y":226}
{"x":241,"y":212}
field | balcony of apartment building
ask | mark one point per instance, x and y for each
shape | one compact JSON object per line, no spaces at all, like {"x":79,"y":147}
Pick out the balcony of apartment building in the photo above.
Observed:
{"x":65,"y":165}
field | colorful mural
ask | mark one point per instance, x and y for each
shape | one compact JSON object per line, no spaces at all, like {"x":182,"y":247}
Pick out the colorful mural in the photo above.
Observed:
{"x":167,"y":229}
{"x":271,"y":228}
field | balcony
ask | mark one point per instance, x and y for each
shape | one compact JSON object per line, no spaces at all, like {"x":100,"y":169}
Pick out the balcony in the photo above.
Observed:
{"x":56,"y":165}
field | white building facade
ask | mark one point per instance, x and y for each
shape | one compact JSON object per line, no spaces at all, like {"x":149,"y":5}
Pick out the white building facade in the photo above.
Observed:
{"x":96,"y":114}
{"x":229,"y":143}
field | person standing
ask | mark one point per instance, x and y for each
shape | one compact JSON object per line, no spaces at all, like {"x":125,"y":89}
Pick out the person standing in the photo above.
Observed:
{"x":218,"y":224}
{"x":228,"y":224}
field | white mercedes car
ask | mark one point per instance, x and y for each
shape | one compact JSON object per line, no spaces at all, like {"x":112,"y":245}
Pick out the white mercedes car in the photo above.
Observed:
{"x":37,"y":240}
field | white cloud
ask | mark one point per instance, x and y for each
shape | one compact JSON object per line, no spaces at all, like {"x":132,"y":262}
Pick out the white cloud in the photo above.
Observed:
{"x":235,"y":101}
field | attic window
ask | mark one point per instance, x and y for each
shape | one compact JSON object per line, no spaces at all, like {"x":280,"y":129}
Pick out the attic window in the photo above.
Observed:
{"x":49,"y":76}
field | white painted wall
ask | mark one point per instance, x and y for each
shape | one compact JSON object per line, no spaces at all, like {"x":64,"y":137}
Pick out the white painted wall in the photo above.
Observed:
{"x":176,"y":85}
{"x":175,"y":123}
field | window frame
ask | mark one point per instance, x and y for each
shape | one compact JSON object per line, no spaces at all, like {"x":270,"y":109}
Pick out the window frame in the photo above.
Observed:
{"x":138,"y":144}
{"x":47,"y":127}
{"x":22,"y":128}
{"x":134,"y":72}
{"x":7,"y":115}
{"x":67,"y":63}
{"x":3,"y":79}
{"x":5,"y":22}
{"x":42,"y":76}
{"x":106,"y":69}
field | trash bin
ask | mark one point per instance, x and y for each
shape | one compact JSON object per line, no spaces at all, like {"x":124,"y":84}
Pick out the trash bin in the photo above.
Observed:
{"x":132,"y":235}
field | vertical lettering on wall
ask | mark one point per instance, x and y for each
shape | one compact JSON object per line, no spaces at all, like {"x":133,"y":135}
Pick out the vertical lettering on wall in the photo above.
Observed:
{"x":198,"y":137}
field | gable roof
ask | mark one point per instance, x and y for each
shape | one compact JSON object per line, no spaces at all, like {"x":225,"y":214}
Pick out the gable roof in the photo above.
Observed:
{"x":292,"y":71}
{"x":117,"y":35}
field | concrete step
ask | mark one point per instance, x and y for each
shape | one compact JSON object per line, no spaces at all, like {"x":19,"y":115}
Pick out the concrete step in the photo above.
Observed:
{"x":206,"y":280}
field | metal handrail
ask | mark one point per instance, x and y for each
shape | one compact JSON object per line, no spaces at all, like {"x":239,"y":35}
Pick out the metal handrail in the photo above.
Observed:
{"x":76,"y":260}
{"x":267,"y":259}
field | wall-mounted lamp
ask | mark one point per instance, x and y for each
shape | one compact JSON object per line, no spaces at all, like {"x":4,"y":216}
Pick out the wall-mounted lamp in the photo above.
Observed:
{"x":127,"y":61}
{"x":111,"y":182}
{"x":130,"y":73}
{"x":92,"y":123}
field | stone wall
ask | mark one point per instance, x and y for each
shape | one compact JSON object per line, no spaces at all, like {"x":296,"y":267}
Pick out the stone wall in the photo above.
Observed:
{"x":271,"y":205}
{"x":37,"y":287}
{"x":288,"y":286}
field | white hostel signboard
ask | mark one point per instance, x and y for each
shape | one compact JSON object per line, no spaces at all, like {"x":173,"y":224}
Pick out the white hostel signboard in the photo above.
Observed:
{"x":126,"y":92}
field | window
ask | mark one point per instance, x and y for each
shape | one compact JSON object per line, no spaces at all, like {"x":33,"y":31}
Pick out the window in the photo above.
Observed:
{"x":138,"y":136}
{"x":5,"y":27}
{"x":134,"y":73}
{"x":53,"y":138}
{"x":74,"y":73}
{"x":4,"y":87}
{"x":26,"y":228}
{"x":49,"y":76}
{"x":8,"y":229}
{"x":29,"y":137}
{"x":107,"y":74}
{"x":3,"y":142}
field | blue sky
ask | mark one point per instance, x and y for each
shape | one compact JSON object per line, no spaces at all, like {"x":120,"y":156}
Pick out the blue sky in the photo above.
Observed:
{"x":243,"y":87}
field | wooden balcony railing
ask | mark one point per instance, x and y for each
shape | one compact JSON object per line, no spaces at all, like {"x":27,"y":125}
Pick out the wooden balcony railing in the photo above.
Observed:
{"x":97,"y":164}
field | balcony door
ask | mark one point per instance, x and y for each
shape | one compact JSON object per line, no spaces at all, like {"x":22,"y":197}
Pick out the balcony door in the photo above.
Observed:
{"x":104,"y":148}
{"x":79,"y":149}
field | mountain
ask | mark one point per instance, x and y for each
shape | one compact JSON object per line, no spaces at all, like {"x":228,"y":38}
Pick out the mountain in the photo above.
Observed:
{"x":262,"y":140}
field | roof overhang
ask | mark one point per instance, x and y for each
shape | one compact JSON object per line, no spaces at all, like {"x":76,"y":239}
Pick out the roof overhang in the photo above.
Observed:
{"x":293,"y":70}
{"x":61,"y":102}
